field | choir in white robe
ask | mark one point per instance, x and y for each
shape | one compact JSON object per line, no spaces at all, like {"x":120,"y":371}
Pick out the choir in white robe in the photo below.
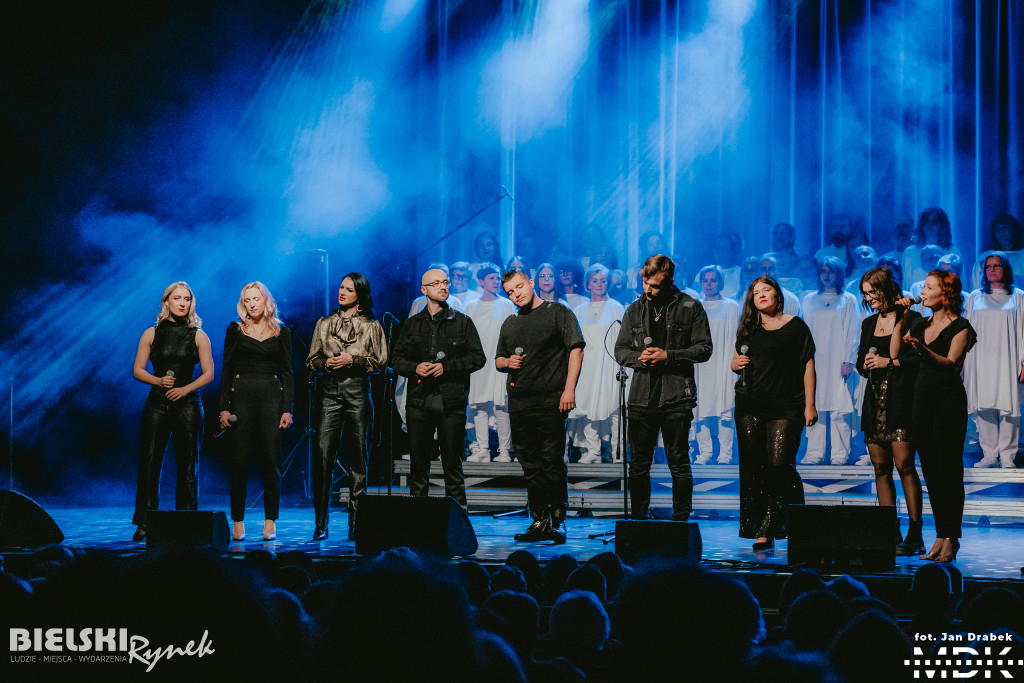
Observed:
{"x":992,"y":371}
{"x":595,"y":417}
{"x":834,"y":321}
{"x":488,"y":398}
{"x":716,"y":383}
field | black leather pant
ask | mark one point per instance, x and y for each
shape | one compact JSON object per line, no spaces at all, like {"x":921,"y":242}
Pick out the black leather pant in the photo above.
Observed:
{"x":160,"y":419}
{"x":256,"y":399}
{"x":346,"y":419}
{"x":769,"y":481}
{"x":674,"y":426}
{"x":450,"y":424}
{"x":538,"y":437}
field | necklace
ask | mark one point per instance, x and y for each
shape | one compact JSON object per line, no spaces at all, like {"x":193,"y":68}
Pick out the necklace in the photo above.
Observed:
{"x":658,"y":314}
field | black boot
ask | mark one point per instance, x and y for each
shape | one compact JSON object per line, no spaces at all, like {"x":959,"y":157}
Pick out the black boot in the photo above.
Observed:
{"x":556,"y":529}
{"x":913,"y":543}
{"x":538,"y":531}
{"x":899,"y":534}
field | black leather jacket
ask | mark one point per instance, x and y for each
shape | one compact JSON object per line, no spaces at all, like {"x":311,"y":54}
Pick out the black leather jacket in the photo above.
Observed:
{"x":419,"y":341}
{"x":688,"y":341}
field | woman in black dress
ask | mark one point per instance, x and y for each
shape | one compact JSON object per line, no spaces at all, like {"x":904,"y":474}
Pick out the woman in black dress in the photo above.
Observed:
{"x":940,"y":405}
{"x":174,"y":346}
{"x":886,"y":418}
{"x":774,"y":355}
{"x":256,"y":388}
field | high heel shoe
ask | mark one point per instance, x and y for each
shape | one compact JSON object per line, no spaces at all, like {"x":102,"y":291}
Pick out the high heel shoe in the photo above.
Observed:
{"x":932,"y":554}
{"x":320,"y":533}
{"x":764,"y":545}
{"x":950,"y":557}
{"x":238,"y":531}
{"x":269,"y":530}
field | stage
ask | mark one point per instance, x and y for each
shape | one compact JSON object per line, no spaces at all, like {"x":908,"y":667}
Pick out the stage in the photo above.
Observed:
{"x":990,"y":554}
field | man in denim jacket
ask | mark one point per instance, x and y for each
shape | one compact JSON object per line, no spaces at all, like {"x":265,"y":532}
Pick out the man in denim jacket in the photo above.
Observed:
{"x":663,"y":334}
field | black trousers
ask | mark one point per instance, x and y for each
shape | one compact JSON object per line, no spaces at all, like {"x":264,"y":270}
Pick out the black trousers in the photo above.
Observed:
{"x":942,"y":465}
{"x":346,"y":420}
{"x":256,"y":400}
{"x":450,"y":425}
{"x":769,"y":481}
{"x":161,"y":419}
{"x":538,"y":438}
{"x":674,"y":425}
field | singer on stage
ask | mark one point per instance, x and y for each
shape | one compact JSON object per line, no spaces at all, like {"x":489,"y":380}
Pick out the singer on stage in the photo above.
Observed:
{"x":663,"y":334}
{"x":774,"y":355}
{"x":437,"y":350}
{"x":940,"y":405}
{"x":888,"y":396}
{"x":174,"y":346}
{"x":256,"y":387}
{"x":347,"y":347}
{"x":541,"y":349}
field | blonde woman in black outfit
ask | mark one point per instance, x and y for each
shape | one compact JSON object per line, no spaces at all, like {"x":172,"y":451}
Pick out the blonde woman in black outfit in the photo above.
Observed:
{"x":774,"y":355}
{"x":886,"y":420}
{"x":257,"y":389}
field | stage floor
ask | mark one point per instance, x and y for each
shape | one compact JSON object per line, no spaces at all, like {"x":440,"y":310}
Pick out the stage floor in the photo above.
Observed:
{"x":988,"y":552}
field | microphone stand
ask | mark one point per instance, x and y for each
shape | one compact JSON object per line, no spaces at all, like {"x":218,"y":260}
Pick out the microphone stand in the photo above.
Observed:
{"x":621,"y":442}
{"x":389,"y":398}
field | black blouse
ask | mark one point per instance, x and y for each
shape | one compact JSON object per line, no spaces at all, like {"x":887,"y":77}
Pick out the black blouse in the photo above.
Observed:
{"x":244,"y":354}
{"x":174,"y":349}
{"x":775,"y":375}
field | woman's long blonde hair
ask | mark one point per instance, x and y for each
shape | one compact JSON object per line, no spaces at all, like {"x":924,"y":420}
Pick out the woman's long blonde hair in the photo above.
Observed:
{"x":270,"y":313}
{"x":165,"y":307}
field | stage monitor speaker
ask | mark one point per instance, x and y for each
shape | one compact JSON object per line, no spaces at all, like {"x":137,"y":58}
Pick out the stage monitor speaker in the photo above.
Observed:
{"x":437,"y":525}
{"x":173,"y":529}
{"x":24,"y":525}
{"x":635,"y":540}
{"x":846,"y":537}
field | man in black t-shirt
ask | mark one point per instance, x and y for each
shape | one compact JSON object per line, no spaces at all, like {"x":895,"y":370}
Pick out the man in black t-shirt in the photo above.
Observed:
{"x":663,"y":334}
{"x":541,"y":349}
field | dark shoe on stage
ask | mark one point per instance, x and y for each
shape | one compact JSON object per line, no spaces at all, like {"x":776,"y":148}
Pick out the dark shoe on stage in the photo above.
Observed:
{"x":556,"y":527}
{"x":320,"y":533}
{"x":912,"y":543}
{"x":899,"y":534}
{"x":950,"y":557}
{"x":140,"y":535}
{"x":538,"y":531}
{"x":764,"y":545}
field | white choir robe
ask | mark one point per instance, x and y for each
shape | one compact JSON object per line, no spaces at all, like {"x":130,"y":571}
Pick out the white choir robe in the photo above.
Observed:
{"x":991,"y":371}
{"x":596,"y":414}
{"x":834,"y":321}
{"x":791,"y":303}
{"x":418,"y":304}
{"x":716,"y":383}
{"x":488,"y":396}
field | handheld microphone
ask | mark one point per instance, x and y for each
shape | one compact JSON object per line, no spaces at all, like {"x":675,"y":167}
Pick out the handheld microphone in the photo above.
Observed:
{"x":437,"y":359}
{"x":232,"y":419}
{"x":896,"y":307}
{"x":743,"y":372}
{"x":514,"y":375}
{"x":647,"y":341}
{"x":873,"y":349}
{"x":336,"y":351}
{"x":169,"y":373}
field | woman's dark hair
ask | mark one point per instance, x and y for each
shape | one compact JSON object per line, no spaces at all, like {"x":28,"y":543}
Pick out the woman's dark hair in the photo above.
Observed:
{"x":750,"y":318}
{"x":952,"y":296}
{"x":882,"y":281}
{"x":894,"y":267}
{"x":363,"y":297}
{"x":837,"y":267}
{"x":986,"y":286}
{"x":567,"y":264}
{"x":1017,"y":236}
{"x":642,"y":250}
{"x":525,"y":266}
{"x":558,"y":291}
{"x":938,"y":217}
{"x":496,"y":256}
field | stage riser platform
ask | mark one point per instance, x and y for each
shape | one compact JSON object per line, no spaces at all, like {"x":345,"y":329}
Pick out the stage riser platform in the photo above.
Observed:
{"x":993,"y":494}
